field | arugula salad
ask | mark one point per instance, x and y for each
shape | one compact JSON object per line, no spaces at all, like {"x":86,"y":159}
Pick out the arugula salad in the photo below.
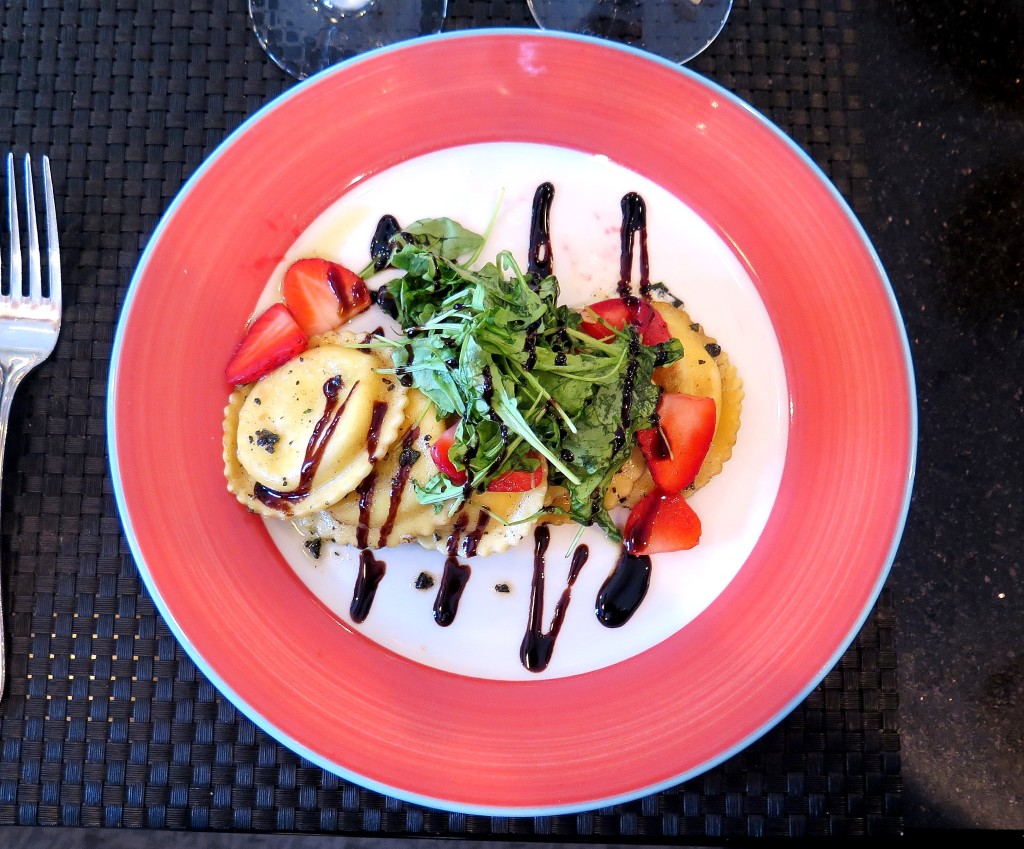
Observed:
{"x":492,"y":347}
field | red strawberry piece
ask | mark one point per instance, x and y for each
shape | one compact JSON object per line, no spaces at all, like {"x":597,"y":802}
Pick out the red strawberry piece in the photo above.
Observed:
{"x":676,"y":448}
{"x":613,"y":312}
{"x":323,"y":295}
{"x":661,"y":522}
{"x":518,"y":480}
{"x":618,"y":312}
{"x":270,"y":341}
{"x":439,"y":454}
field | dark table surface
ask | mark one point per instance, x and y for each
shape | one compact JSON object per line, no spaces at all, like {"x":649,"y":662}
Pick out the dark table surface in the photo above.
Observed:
{"x":108,"y":733}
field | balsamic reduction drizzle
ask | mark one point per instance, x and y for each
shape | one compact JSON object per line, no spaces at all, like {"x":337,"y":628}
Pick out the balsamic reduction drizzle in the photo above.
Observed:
{"x":380,"y":244}
{"x":371,"y":572}
{"x":398,"y":484}
{"x":345,"y":296}
{"x":373,"y":434}
{"x":365,"y":491}
{"x":453,"y":579}
{"x":540,"y":260}
{"x":453,"y":582}
{"x":624,"y":589}
{"x":322,"y":431}
{"x":405,"y":372}
{"x":536,"y":649}
{"x":472,"y":539}
{"x":628,"y":392}
{"x":530,"y":345}
{"x":634,"y":226}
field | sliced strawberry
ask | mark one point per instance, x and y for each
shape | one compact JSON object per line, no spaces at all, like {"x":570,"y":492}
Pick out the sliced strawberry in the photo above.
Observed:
{"x":618,"y":312}
{"x":676,"y":448}
{"x":661,"y":522}
{"x":270,"y":341}
{"x":439,"y":454}
{"x":323,"y":295}
{"x":614,"y":312}
{"x":518,"y":480}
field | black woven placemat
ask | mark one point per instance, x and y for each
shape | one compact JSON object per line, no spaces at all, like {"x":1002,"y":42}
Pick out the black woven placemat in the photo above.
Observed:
{"x":105,"y":720}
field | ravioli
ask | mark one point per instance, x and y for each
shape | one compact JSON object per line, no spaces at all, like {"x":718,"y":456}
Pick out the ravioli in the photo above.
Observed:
{"x":704,"y":370}
{"x":384,"y":510}
{"x":489,"y":522}
{"x":305,"y":435}
{"x":627,"y":487}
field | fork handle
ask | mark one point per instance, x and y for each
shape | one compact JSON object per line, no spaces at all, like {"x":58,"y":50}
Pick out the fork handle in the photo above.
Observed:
{"x":11,"y":373}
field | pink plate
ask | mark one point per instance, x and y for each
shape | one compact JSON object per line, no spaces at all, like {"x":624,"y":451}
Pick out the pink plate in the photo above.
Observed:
{"x":515,"y":747}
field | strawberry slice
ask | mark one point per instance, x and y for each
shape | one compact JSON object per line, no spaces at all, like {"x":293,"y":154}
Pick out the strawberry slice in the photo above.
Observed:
{"x":614,"y":312}
{"x":270,"y":341}
{"x":676,"y":448}
{"x":439,"y":454}
{"x":323,"y":295}
{"x":518,"y":480}
{"x":661,"y":522}
{"x":618,"y":312}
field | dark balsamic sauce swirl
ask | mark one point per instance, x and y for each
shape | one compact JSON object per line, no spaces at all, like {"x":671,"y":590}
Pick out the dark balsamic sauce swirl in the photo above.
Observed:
{"x":373,"y":434}
{"x":540,"y":259}
{"x":628,"y":582}
{"x":530,"y":346}
{"x":322,"y":432}
{"x":453,"y":579}
{"x":365,"y":491}
{"x":380,"y":244}
{"x":624,"y":589}
{"x":346,"y":296}
{"x":538,"y":645}
{"x":371,"y":572}
{"x":472,"y":539}
{"x":634,"y":228}
{"x":398,"y":484}
{"x":453,"y":582}
{"x":628,"y":392}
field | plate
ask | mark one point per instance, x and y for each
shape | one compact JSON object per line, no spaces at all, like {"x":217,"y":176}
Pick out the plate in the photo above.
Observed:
{"x":490,"y":187}
{"x":831,"y":513}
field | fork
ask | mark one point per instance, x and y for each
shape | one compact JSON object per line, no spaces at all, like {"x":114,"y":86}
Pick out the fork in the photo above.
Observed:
{"x":29,"y":320}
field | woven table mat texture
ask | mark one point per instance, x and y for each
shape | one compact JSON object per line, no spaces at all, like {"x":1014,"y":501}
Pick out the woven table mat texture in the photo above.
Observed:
{"x":105,"y":720}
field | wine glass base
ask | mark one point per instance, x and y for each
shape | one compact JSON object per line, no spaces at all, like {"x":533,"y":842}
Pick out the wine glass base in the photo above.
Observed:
{"x":675,"y":29}
{"x":306,"y":36}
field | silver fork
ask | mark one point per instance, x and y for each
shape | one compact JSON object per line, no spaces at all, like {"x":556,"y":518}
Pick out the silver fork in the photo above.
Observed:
{"x":29,"y":320}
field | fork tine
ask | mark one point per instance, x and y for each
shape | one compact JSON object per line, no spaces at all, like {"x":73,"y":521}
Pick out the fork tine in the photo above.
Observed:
{"x":14,"y":272}
{"x":35,"y":277}
{"x":52,"y":241}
